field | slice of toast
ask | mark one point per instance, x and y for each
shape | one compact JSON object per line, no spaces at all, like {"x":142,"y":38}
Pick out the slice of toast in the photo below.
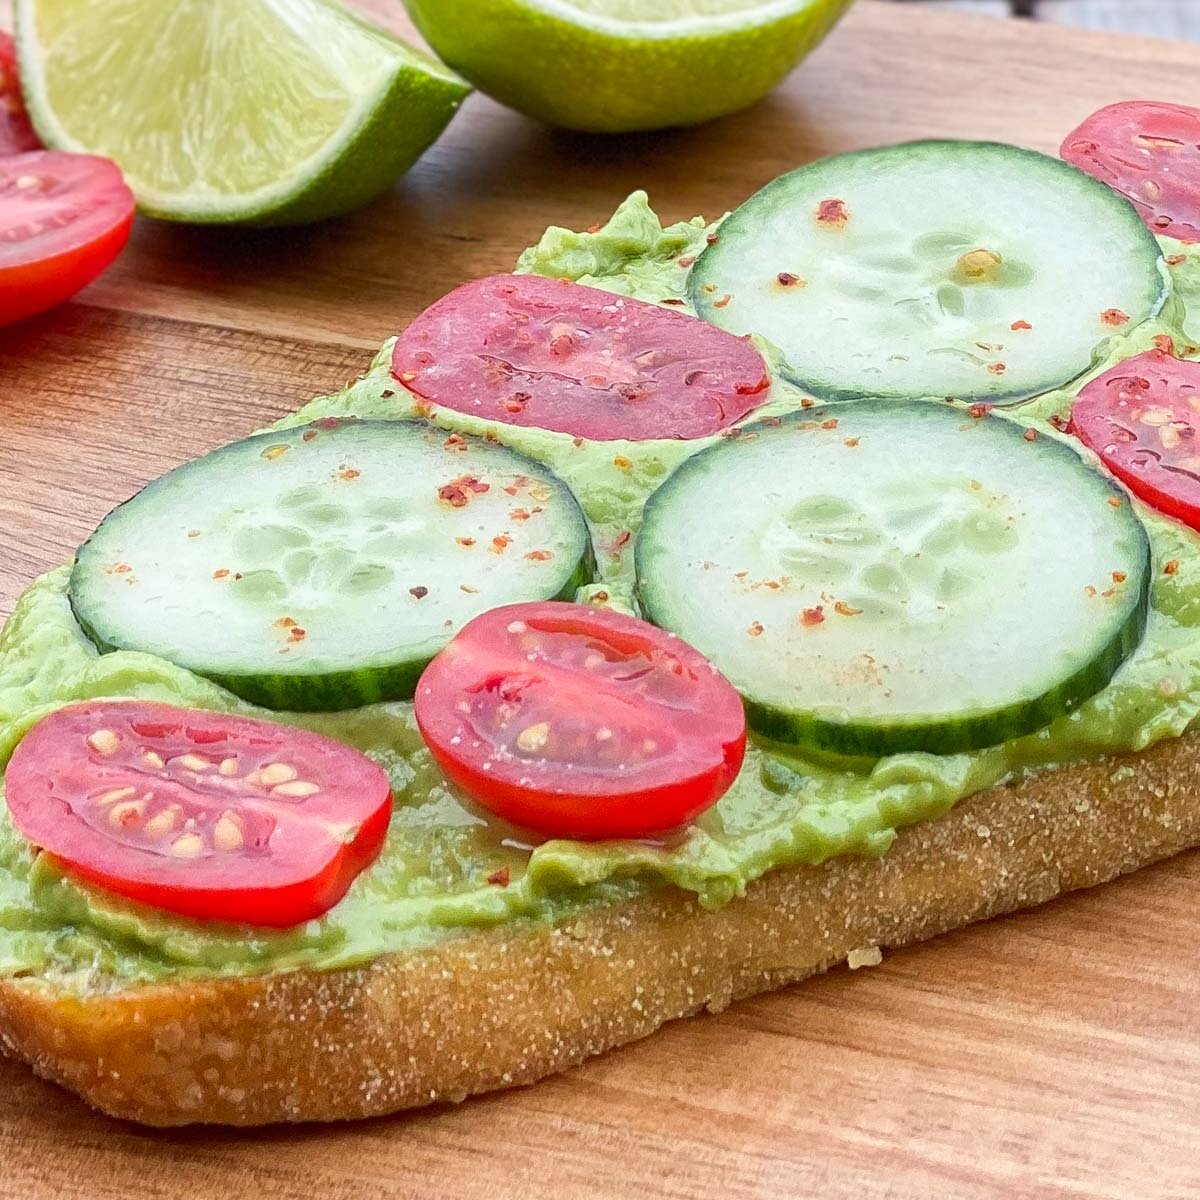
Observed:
{"x":509,"y":1005}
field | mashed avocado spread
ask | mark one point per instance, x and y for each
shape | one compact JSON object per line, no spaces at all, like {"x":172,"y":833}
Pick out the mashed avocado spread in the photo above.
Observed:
{"x":433,"y":875}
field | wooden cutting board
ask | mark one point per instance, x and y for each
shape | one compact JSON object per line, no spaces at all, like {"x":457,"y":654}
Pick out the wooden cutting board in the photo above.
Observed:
{"x":1053,"y":1054}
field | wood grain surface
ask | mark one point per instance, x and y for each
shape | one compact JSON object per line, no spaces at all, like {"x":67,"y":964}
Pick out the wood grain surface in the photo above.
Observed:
{"x":1054,"y":1054}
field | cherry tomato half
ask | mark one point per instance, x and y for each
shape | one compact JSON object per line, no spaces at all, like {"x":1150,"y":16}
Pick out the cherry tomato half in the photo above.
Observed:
{"x":211,"y":816}
{"x":63,"y":219}
{"x":552,"y":354}
{"x":578,"y":722}
{"x":16,"y":131}
{"x":1142,"y":418}
{"x":1150,"y":153}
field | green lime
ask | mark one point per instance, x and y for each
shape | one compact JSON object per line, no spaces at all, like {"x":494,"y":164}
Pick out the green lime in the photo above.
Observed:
{"x":263,"y":112}
{"x":612,"y":66}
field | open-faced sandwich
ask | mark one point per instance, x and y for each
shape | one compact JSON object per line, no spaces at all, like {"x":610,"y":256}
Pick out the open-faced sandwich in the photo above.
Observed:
{"x":691,"y":611}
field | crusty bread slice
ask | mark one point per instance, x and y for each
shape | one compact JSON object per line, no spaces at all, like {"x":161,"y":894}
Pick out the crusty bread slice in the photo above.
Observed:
{"x":509,"y":1005}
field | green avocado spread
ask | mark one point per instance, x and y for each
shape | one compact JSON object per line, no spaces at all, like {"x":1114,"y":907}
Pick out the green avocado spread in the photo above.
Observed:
{"x":432,"y":878}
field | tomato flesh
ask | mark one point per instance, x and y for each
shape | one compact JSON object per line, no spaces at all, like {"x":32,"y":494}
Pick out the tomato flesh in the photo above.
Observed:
{"x":1148,"y":151}
{"x":1142,"y":419}
{"x":63,"y":219}
{"x":16,"y":131}
{"x":555,"y":355}
{"x":579,"y":722}
{"x":209,"y":816}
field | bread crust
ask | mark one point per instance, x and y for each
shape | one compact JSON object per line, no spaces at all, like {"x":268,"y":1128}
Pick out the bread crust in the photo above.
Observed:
{"x":506,"y":1006}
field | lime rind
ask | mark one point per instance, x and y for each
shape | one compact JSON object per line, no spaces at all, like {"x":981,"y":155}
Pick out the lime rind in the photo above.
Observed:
{"x":624,"y":75}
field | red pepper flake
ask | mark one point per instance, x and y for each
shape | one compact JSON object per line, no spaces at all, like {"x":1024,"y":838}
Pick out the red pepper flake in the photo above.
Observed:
{"x":465,"y":541}
{"x":119,"y":569}
{"x":286,"y":623}
{"x":327,"y":422}
{"x":595,"y":228}
{"x":713,"y":239}
{"x":418,"y":593}
{"x":1115,"y":501}
{"x":500,"y":543}
{"x":807,"y":402}
{"x":1114,"y":317}
{"x":599,"y":598}
{"x":457,"y":493}
{"x":455,"y":443}
{"x":723,"y":302}
{"x":832,"y":214}
{"x":772,"y":422}
{"x":308,"y":435}
{"x":499,"y":878}
{"x":516,"y":402}
{"x":852,"y":442}
{"x":1060,"y":423}
{"x":813,"y":616}
{"x":1119,"y":577}
{"x":387,"y":393}
{"x":1017,"y":326}
{"x":620,"y":542}
{"x":519,"y":514}
{"x":787,"y":279}
{"x":978,"y":411}
{"x":1164,"y":343}
{"x":1175,"y":260}
{"x":622,"y":463}
{"x":1171,"y":568}
{"x":671,"y":300}
{"x":756,"y":629}
{"x":221,"y":574}
{"x":1030,"y":435}
{"x":832,"y":423}
{"x":844,"y":610}
{"x":466,"y":587}
{"x":540,"y":556}
{"x":686,"y":261}
{"x":348,"y":473}
{"x":297,"y":634}
{"x":997,"y":368}
{"x":1091,"y":591}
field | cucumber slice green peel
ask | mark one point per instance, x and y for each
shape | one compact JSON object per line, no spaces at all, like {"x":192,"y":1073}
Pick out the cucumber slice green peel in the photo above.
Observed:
{"x":884,"y":576}
{"x":320,"y":568}
{"x":936,"y":269}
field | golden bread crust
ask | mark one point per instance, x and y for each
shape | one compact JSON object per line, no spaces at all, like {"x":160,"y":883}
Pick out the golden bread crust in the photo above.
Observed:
{"x":506,"y":1006}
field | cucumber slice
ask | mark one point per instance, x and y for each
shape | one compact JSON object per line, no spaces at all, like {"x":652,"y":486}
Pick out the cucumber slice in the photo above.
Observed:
{"x":321,"y":568}
{"x":882,"y":576}
{"x":933,"y":269}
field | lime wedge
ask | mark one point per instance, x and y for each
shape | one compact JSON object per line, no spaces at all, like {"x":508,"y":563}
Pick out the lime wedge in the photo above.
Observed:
{"x":617,"y":65}
{"x":239,"y":111}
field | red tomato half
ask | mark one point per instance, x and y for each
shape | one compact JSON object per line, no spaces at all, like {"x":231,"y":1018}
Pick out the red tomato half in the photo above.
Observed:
{"x":1150,"y":153}
{"x":63,"y":219}
{"x":211,"y":816}
{"x":16,"y":132}
{"x":1142,"y":419}
{"x":581,"y":723}
{"x":555,"y":355}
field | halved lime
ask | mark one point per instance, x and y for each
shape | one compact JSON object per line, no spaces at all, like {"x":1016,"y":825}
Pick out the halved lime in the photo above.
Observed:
{"x":617,"y":65}
{"x":249,"y":111}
